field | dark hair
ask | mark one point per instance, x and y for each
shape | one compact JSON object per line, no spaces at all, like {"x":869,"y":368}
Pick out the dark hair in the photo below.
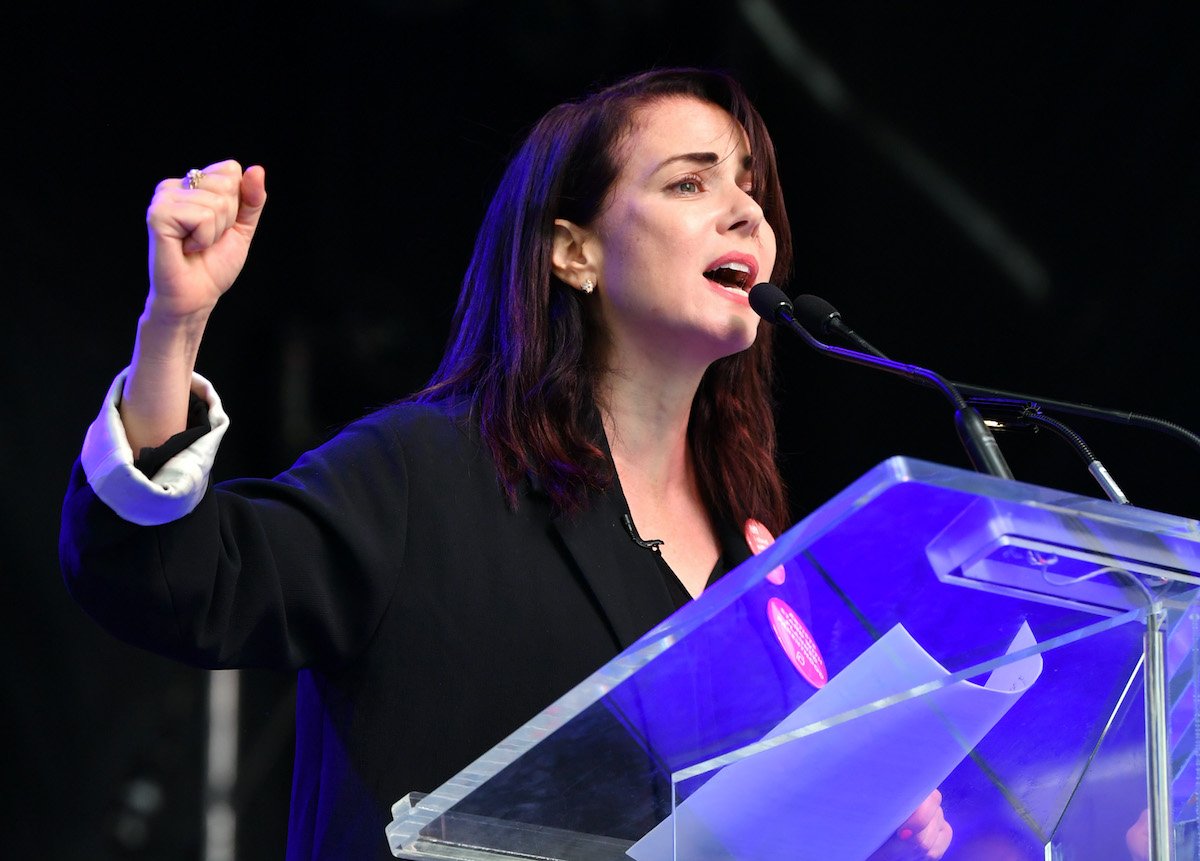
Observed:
{"x":518,"y":352}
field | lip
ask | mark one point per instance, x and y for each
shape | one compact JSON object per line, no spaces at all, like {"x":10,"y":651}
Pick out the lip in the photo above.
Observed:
{"x":737,"y":257}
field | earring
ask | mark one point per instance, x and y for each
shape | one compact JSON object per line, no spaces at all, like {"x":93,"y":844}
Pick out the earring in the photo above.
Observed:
{"x":588,"y":285}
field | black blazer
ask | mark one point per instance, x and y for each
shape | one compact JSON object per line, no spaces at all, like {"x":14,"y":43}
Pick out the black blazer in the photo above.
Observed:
{"x":426,"y":618}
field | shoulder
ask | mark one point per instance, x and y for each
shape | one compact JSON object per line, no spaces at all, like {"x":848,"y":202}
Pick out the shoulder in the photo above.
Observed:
{"x":413,"y":433}
{"x":414,"y":425}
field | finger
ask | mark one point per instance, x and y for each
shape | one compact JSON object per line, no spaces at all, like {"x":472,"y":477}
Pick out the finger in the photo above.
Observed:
{"x":227,"y":167}
{"x":942,"y":843}
{"x":927,"y":835}
{"x":195,"y":225}
{"x":218,"y":183}
{"x":204,"y":233}
{"x":219,"y":191}
{"x":225,"y":201}
{"x":246,"y":192}
{"x":253,"y":196}
{"x":924,"y":814}
{"x":1137,"y":838}
{"x":221,"y":176}
{"x":933,"y":838}
{"x":176,"y":212}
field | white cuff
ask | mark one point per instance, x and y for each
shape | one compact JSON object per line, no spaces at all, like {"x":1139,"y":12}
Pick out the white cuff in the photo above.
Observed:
{"x":175,"y":489}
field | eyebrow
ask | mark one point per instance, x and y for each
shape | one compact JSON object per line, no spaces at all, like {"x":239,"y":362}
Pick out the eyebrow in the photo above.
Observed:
{"x":705,"y":158}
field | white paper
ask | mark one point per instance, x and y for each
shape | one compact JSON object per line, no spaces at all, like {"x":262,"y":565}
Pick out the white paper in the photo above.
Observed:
{"x":841,"y":792}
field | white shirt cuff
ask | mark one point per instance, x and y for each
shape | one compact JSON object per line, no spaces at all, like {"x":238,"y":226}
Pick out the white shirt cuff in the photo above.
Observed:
{"x":175,"y":489}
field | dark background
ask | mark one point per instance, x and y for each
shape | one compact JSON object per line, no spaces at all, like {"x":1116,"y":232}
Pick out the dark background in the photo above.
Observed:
{"x":1062,"y":134}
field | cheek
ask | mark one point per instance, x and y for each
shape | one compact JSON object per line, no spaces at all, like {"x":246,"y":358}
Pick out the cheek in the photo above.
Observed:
{"x":770,"y":253}
{"x":639,"y":255}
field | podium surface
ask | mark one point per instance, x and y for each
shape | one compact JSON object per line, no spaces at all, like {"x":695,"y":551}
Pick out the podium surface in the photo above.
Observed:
{"x":1031,"y":653}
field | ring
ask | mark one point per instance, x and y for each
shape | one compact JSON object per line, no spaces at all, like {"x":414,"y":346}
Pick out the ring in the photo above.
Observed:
{"x":192,"y":178}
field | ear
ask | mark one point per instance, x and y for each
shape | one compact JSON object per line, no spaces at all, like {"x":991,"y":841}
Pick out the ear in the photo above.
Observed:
{"x":575,"y":256}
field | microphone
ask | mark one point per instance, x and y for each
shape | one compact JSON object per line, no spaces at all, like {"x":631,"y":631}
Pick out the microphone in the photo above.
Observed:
{"x":817,"y":313}
{"x":652,"y":544}
{"x":770,"y":303}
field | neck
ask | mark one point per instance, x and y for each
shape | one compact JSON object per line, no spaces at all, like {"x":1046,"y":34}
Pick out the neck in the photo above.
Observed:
{"x":646,"y":413}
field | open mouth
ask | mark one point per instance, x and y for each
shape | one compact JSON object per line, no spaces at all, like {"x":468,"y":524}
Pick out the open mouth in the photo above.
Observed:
{"x":732,"y":276}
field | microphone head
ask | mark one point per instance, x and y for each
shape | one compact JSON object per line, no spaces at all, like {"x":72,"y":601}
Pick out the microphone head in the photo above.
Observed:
{"x":815,"y":314}
{"x":767,"y":300}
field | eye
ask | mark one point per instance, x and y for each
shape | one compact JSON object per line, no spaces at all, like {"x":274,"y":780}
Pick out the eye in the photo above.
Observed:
{"x":687,"y":185}
{"x":748,"y":183}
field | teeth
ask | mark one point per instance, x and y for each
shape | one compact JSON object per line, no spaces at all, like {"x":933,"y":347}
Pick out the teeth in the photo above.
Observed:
{"x":731,"y":276}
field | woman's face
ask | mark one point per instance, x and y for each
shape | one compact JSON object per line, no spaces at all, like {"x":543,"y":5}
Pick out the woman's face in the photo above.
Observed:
{"x":680,"y":241}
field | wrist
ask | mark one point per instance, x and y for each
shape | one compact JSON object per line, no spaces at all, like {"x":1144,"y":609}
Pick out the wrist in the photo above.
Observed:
{"x":159,"y":314}
{"x":168,"y":344}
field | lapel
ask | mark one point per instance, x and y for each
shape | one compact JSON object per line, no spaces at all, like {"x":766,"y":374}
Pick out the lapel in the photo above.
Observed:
{"x":733,"y":543}
{"x":623,"y":577}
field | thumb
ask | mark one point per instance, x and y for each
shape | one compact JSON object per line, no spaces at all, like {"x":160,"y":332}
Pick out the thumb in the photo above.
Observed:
{"x":252,"y":196}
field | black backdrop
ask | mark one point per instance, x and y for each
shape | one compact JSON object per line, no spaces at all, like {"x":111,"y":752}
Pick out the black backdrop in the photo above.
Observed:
{"x":384,"y":126}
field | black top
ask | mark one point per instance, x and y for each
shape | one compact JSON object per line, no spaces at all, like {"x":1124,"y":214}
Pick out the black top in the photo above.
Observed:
{"x":732,"y":548}
{"x":427,"y":618}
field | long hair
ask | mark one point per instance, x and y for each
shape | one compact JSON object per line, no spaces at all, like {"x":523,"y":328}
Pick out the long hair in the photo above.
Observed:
{"x":518,"y":351}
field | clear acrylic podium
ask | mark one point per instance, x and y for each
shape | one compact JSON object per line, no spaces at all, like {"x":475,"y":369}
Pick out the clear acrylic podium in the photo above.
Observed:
{"x":1099,"y":750}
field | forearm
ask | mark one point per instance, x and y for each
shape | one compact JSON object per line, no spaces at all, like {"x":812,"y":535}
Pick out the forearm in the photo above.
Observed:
{"x":154,"y":401}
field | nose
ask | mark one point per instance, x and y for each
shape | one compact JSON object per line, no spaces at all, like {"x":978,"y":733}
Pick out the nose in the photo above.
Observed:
{"x":745,"y":215}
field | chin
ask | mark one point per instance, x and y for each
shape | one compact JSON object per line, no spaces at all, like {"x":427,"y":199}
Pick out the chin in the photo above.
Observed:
{"x":738,"y":337}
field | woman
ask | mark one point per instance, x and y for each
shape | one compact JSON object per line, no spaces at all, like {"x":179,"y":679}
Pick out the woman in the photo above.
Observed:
{"x":447,"y":567}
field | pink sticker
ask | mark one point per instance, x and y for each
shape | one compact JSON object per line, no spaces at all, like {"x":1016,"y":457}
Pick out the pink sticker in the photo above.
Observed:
{"x":759,"y":538}
{"x":797,"y":642}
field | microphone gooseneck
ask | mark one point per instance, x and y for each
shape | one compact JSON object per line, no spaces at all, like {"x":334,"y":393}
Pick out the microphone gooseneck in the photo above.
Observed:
{"x":815,"y":313}
{"x":1027,"y":408}
{"x":770,"y":303}
{"x":986,"y":395}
